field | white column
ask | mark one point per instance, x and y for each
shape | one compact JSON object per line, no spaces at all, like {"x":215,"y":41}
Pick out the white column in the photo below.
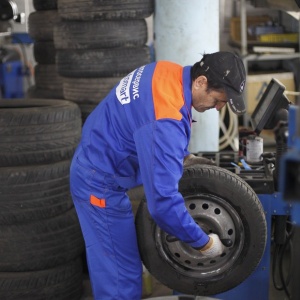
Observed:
{"x":184,"y":30}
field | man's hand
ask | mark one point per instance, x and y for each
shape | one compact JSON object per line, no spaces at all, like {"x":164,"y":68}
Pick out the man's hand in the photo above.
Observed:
{"x":213,"y":248}
{"x":191,"y":159}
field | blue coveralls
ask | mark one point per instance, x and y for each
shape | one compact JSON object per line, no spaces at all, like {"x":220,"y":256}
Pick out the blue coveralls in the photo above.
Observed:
{"x":138,"y":134}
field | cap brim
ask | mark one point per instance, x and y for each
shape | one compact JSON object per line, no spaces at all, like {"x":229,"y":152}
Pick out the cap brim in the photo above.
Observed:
{"x":236,"y":101}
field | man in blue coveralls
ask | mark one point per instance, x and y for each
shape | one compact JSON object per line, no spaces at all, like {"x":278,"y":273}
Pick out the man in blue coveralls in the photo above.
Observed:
{"x":139,"y":134}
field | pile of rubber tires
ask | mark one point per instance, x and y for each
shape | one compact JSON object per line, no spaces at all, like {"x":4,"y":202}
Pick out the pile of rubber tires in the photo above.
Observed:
{"x":48,"y":84}
{"x":41,"y":241}
{"x":97,"y":43}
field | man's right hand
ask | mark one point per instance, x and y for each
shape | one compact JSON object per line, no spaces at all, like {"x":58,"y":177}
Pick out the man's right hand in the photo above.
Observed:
{"x":213,"y":248}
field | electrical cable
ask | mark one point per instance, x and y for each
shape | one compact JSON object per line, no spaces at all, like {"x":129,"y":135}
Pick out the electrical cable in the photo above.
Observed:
{"x":229,"y":134}
{"x":226,"y":131}
{"x":278,"y":259}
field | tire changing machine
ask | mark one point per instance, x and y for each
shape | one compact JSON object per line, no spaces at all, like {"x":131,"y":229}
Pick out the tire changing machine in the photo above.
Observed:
{"x":275,"y":187}
{"x":272,"y":112}
{"x":276,"y":173}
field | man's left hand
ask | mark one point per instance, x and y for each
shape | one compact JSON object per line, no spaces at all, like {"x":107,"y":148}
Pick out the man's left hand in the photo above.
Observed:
{"x":191,"y":159}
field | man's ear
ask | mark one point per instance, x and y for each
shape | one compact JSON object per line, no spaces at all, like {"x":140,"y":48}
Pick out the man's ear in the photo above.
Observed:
{"x":200,"y":82}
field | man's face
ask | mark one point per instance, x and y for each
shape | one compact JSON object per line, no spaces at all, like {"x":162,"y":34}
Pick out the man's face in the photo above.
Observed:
{"x":203,"y":100}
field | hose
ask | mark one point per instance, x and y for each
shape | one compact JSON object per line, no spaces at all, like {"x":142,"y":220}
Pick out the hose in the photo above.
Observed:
{"x":230,"y":134}
{"x":278,"y":257}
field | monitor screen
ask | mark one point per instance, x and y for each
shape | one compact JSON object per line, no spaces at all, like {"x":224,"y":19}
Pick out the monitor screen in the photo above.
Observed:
{"x":265,"y":115}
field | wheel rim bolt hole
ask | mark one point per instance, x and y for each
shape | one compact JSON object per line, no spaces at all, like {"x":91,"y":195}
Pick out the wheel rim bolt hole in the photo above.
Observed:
{"x":205,"y":206}
{"x":217,"y":211}
{"x":192,"y":206}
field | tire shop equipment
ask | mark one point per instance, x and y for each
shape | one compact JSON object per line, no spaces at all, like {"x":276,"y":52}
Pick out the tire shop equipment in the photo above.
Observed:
{"x":11,"y":78}
{"x":41,"y":240}
{"x":97,"y":43}
{"x":245,"y":206}
{"x":41,"y":23}
{"x":289,"y":182}
{"x":12,"y":70}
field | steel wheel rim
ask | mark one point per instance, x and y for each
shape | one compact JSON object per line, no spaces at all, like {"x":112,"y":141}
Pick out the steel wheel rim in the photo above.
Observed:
{"x":213,"y":214}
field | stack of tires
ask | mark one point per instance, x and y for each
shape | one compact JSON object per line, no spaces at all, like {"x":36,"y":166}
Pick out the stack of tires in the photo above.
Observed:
{"x":48,"y":84}
{"x":97,"y":43}
{"x":41,"y":240}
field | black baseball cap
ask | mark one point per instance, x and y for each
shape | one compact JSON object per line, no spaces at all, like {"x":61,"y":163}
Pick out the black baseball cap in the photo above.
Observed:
{"x":228,"y":69}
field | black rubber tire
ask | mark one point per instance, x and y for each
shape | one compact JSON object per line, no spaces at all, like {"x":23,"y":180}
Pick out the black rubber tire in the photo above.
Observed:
{"x":45,"y":4}
{"x":88,"y":90}
{"x":100,"y":34}
{"x":105,"y":10}
{"x":46,"y":77}
{"x":36,"y":93}
{"x":44,"y":52}
{"x":63,"y":282}
{"x":111,"y":62}
{"x":205,"y":189}
{"x":86,"y":109}
{"x":42,"y":244}
{"x":36,"y":131}
{"x":41,"y":24}
{"x":32,"y":193}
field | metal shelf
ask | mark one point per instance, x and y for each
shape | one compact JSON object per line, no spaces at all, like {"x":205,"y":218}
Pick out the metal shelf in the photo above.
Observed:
{"x":246,"y":56}
{"x":252,"y":57}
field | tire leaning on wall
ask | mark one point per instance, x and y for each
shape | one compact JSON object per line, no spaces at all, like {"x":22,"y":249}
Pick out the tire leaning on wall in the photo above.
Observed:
{"x":44,"y":52}
{"x":41,"y":24}
{"x":100,"y":34}
{"x":46,"y":77}
{"x":88,"y":92}
{"x":111,"y":62}
{"x":37,"y":93}
{"x":109,"y":10}
{"x":35,"y":192}
{"x":38,"y":131}
{"x":45,"y":4}
{"x":41,"y":244}
{"x":60,"y":283}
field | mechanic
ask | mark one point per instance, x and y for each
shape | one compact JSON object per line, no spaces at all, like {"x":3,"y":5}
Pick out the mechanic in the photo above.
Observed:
{"x":139,"y":134}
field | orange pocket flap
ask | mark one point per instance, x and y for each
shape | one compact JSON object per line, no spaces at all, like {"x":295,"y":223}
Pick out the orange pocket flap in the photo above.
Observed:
{"x":97,"y":202}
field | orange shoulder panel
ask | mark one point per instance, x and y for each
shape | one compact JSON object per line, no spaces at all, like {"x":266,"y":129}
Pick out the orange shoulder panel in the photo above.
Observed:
{"x":167,"y":90}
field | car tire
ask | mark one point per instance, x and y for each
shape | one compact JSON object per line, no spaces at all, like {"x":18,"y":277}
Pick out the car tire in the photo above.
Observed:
{"x":85,"y":10}
{"x":220,"y":202}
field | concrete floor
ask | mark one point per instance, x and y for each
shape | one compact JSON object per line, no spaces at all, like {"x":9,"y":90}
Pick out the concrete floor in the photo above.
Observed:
{"x":161,"y":292}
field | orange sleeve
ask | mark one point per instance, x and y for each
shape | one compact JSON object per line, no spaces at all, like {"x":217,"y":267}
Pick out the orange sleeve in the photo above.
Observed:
{"x":167,"y":90}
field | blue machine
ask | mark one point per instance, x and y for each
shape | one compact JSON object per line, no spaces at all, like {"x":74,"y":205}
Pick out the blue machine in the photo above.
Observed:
{"x":274,"y":112}
{"x":290,"y":188}
{"x":11,"y":74}
{"x":256,"y":286}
